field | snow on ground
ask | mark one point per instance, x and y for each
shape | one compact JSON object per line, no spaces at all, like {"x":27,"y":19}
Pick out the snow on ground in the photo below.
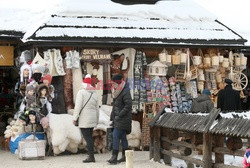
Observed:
{"x":228,"y":159}
{"x":141,"y":160}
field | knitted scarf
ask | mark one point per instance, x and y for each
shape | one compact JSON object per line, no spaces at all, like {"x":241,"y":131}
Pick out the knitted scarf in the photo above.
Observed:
{"x":117,"y":89}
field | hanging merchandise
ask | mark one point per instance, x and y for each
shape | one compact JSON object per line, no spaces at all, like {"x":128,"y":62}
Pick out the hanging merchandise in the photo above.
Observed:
{"x":176,"y":58}
{"x":25,"y":56}
{"x":183,"y":58}
{"x":55,"y":62}
{"x":139,"y":82}
{"x":215,"y":61}
{"x":156,"y":68}
{"x":40,"y":61}
{"x":237,"y":59}
{"x":197,"y":59}
{"x":207,"y":61}
{"x":165,"y":58}
{"x":221,"y":58}
{"x":243,"y":60}
{"x":72,"y":59}
{"x":225,"y":63}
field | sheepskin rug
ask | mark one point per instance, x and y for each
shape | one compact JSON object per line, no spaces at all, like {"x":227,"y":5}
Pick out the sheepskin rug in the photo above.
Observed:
{"x":64,"y":135}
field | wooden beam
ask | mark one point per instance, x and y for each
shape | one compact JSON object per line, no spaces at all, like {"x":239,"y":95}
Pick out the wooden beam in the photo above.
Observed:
{"x":229,"y":152}
{"x":207,"y":150}
{"x":181,"y":143}
{"x":186,"y":158}
{"x":220,"y":165}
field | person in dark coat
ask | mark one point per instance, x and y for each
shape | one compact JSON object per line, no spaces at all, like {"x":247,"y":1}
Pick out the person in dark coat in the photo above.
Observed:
{"x":120,"y":116}
{"x":228,"y":98}
{"x":202,"y":103}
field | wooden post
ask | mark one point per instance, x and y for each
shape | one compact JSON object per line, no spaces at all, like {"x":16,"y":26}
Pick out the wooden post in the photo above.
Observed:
{"x":129,"y":158}
{"x":219,"y":142}
{"x":151,"y":145}
{"x":207,"y":150}
{"x":166,"y":158}
{"x":157,"y":144}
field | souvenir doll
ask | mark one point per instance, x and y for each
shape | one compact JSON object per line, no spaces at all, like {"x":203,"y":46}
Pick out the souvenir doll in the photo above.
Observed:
{"x":25,"y":75}
{"x":32,"y":118}
{"x":30,"y":98}
{"x":43,"y":97}
{"x":47,"y":81}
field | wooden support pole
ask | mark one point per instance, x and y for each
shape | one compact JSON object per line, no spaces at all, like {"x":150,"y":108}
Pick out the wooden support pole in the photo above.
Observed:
{"x":207,"y":150}
{"x":157,"y":144}
{"x":151,"y":145}
{"x":219,"y":142}
{"x":167,"y":145}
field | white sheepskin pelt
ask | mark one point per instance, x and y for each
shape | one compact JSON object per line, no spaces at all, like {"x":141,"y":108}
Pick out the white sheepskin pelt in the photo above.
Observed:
{"x":106,"y":109}
{"x":135,"y":136}
{"x":64,"y":135}
{"x":77,"y":81}
{"x":104,"y":121}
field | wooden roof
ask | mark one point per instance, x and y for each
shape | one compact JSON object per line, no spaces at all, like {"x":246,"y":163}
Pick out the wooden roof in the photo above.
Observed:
{"x":212,"y":123}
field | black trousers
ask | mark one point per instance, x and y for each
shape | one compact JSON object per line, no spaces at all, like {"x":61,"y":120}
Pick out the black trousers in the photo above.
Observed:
{"x":87,"y":134}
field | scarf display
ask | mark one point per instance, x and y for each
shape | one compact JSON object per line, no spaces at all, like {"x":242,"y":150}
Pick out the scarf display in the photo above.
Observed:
{"x":117,"y":89}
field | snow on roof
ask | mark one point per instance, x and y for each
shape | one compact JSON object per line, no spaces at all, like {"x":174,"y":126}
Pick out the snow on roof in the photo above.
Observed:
{"x":132,"y":27}
{"x":165,"y":20}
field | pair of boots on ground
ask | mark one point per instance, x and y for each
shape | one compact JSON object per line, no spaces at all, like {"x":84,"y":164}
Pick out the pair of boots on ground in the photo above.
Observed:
{"x":113,"y":159}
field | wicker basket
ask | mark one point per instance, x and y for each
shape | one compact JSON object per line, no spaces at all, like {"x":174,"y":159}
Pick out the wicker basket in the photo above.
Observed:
{"x":176,"y":59}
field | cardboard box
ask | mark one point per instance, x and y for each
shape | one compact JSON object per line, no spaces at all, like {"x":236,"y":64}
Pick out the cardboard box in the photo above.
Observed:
{"x":31,"y":149}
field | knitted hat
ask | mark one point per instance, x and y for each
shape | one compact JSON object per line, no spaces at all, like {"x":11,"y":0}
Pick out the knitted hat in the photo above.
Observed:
{"x":23,"y":67}
{"x":47,"y":77}
{"x":117,"y":78}
{"x":206,"y":91}
{"x":87,"y":79}
{"x":228,"y":81}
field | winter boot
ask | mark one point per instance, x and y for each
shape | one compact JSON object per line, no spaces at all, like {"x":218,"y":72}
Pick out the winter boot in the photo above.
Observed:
{"x":123,"y":158}
{"x":89,"y":159}
{"x":113,"y":159}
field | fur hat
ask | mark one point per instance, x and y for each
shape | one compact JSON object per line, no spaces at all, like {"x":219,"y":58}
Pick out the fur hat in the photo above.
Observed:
{"x":47,"y":77}
{"x":23,"y":67}
{"x":206,"y":91}
{"x":37,"y":68}
{"x":25,"y":56}
{"x":42,"y":86}
{"x":87,"y":79}
{"x":30,"y":87}
{"x":228,"y":81}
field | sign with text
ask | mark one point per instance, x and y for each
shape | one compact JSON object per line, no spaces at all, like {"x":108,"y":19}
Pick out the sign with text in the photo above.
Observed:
{"x":6,"y":55}
{"x":95,"y":55}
